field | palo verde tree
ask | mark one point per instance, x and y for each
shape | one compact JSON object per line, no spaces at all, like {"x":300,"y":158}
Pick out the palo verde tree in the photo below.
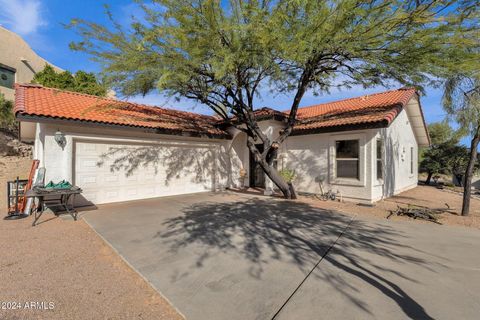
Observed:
{"x":224,"y":54}
{"x":462,"y":102}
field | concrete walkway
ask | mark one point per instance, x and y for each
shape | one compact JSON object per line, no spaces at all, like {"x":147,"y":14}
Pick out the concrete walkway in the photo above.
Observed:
{"x":229,"y":256}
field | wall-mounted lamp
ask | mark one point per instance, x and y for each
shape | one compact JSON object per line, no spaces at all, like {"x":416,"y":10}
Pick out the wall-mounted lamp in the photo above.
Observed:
{"x":60,"y":139}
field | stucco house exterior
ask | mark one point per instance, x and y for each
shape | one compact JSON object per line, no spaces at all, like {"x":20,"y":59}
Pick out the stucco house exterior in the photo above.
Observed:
{"x":365,"y":148}
{"x":18,"y":62}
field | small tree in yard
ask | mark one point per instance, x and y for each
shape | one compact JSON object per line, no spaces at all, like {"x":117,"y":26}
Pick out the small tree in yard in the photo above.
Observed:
{"x":436,"y":159}
{"x":462,"y":101}
{"x":223,"y":54}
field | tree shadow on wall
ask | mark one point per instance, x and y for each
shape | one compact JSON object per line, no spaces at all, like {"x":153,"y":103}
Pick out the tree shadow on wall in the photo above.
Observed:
{"x":263,"y":230}
{"x":308,"y":170}
{"x":392,"y":155}
{"x":201,"y":165}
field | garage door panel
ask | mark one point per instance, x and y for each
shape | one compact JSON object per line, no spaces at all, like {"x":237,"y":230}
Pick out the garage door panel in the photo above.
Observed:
{"x":86,"y":179}
{"x":111,"y":178}
{"x":112,"y":193}
{"x":113,"y":172}
{"x":86,"y":163}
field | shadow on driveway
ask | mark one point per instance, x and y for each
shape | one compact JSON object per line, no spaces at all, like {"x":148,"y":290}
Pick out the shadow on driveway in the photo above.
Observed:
{"x":230,"y":256}
{"x":263,"y":231}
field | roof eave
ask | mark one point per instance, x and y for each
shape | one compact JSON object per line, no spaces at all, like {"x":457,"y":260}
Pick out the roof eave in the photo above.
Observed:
{"x":423,"y":119}
{"x":176,"y":132}
{"x":340,"y":128}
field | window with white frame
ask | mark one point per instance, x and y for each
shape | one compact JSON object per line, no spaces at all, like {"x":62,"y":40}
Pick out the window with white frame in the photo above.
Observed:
{"x":379,"y":158}
{"x":347,"y":162}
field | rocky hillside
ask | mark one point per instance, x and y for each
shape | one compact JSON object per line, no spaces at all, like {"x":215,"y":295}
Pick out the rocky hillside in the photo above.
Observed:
{"x":11,"y":146}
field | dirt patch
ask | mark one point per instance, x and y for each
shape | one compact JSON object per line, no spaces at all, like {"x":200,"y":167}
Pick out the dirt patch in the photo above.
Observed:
{"x":64,"y":264}
{"x":425,"y":196}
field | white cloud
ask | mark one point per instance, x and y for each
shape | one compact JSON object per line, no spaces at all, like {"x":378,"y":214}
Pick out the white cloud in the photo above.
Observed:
{"x":22,"y":16}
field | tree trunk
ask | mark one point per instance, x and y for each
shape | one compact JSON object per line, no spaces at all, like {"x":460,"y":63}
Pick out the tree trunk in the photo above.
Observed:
{"x":429,"y":177}
{"x":467,"y":188}
{"x":292,"y":191}
{"x":270,"y":171}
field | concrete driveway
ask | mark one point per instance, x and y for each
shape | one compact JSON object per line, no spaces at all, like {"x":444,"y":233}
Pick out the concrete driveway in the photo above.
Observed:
{"x":230,"y":256}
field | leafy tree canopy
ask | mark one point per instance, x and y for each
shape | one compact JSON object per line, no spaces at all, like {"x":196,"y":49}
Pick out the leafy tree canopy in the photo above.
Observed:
{"x":443,"y":133}
{"x":82,"y":81}
{"x":445,"y":158}
{"x":223,"y":53}
{"x":209,"y":50}
{"x":461,"y":100}
{"x":445,"y":155}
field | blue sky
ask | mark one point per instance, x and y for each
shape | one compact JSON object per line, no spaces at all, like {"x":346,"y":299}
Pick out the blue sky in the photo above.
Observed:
{"x":39,"y":22}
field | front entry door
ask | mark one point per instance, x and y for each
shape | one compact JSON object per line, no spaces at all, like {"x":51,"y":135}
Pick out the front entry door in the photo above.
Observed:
{"x":257,"y":176}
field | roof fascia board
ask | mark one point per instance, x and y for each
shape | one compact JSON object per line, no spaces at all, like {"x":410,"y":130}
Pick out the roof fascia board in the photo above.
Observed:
{"x":50,"y":120}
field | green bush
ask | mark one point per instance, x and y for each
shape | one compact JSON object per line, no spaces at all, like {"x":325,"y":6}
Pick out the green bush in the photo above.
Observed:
{"x":287,"y":174}
{"x":7,"y":119}
{"x":83,"y":82}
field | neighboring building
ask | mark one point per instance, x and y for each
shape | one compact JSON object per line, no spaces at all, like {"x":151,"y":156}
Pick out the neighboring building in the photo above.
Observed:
{"x":18,"y":62}
{"x":366,"y":147}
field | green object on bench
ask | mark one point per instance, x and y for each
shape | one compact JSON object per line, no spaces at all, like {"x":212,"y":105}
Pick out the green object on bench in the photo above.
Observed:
{"x":61,"y":185}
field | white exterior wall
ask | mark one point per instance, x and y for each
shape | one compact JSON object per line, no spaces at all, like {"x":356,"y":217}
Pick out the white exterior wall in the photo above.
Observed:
{"x":313,"y":157}
{"x":237,"y":158}
{"x":398,"y":139}
{"x":60,"y":164}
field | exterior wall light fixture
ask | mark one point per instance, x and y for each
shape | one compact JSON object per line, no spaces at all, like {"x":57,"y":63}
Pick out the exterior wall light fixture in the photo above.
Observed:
{"x":60,"y":139}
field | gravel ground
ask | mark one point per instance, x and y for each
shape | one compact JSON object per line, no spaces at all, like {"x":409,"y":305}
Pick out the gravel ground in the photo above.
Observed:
{"x":65,"y":265}
{"x":425,"y":196}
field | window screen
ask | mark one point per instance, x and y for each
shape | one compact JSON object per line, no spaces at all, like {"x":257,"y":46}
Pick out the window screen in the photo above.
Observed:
{"x":347,"y":159}
{"x":7,"y":77}
{"x":379,"y":159}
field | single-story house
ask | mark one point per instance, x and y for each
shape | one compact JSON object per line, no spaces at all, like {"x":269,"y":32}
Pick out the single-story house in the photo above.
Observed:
{"x":364,"y":148}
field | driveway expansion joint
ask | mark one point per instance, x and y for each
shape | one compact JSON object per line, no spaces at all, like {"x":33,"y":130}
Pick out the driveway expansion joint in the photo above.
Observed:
{"x":313,"y":268}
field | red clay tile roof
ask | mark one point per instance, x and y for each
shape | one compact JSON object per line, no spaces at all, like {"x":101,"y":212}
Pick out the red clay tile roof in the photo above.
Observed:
{"x":380,"y":108}
{"x":268,"y":113}
{"x":262,"y":114}
{"x":35,"y":100}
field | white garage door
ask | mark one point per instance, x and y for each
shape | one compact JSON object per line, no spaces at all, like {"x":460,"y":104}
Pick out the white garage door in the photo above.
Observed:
{"x":109,"y":172}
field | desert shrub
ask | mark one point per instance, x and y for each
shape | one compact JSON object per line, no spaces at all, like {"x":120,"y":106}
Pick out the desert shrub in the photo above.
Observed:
{"x":7,"y":119}
{"x":287,"y":174}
